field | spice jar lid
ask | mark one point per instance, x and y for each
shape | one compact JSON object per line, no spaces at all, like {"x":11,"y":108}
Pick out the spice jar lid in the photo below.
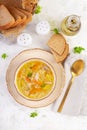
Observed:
{"x":24,"y":39}
{"x":43,"y":28}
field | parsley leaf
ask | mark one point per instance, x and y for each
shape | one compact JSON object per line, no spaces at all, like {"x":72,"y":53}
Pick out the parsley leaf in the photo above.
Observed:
{"x":33,"y":114}
{"x":4,"y":56}
{"x":43,"y":85}
{"x":55,"y":30}
{"x":29,"y":74}
{"x":78,"y":49}
{"x":38,"y":9}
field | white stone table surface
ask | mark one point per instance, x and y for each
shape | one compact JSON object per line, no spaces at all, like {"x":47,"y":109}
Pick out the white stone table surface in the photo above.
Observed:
{"x":14,"y":116}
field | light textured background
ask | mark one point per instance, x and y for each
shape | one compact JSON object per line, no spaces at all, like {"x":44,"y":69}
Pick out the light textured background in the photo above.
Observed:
{"x":15,"y":116}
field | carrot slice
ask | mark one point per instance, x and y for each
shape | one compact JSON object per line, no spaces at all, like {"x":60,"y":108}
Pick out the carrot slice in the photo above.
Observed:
{"x":36,"y":82}
{"x":35,"y":67}
{"x":34,"y":90}
{"x":28,"y":80}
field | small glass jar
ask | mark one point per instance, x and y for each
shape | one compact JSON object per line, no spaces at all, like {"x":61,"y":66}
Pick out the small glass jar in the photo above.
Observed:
{"x":71,"y":25}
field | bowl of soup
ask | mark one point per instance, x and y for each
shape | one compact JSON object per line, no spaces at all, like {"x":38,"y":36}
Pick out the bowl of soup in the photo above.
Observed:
{"x":35,"y":79}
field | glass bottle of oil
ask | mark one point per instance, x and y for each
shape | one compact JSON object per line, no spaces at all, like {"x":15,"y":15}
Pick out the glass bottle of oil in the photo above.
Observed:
{"x":71,"y":25}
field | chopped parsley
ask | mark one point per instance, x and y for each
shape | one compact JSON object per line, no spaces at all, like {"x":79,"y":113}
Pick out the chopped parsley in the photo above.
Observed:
{"x":43,"y":85}
{"x":29,"y":74}
{"x":78,"y":49}
{"x":55,"y":30}
{"x":33,"y":114}
{"x":38,"y":9}
{"x":4,"y":56}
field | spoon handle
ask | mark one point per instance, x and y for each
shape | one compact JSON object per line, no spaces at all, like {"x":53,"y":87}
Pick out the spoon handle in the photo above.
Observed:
{"x":65,"y":95}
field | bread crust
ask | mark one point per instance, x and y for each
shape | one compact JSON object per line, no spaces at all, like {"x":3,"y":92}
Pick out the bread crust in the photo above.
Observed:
{"x":16,"y":16}
{"x":22,"y":15}
{"x":29,"y":15}
{"x":17,"y":22}
{"x":61,"y":58}
{"x":7,"y":25}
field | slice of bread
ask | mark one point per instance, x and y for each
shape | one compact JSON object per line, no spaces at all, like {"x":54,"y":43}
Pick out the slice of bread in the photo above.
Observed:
{"x":17,"y":18}
{"x":19,"y":13}
{"x":61,"y":58}
{"x":57,"y":43}
{"x":28,"y":5}
{"x":6,"y":19}
{"x":28,"y":14}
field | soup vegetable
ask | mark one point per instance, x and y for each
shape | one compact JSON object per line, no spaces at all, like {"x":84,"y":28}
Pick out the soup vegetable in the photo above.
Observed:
{"x":34,"y":79}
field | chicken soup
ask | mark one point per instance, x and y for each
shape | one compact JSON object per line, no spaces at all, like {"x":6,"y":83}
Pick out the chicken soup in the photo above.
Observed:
{"x":34,"y":79}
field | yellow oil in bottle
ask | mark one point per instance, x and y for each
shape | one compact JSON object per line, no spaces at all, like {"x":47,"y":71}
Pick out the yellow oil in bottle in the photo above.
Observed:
{"x":71,"y":25}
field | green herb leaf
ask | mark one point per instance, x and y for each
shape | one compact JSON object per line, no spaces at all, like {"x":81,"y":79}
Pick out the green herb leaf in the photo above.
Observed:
{"x":55,"y":30}
{"x":33,"y":114}
{"x":29,"y":74}
{"x":4,"y":56}
{"x":43,"y":85}
{"x":38,"y":9}
{"x":78,"y":49}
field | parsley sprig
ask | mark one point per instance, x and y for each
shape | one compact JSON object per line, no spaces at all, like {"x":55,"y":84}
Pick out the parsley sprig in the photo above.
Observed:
{"x":55,"y":30}
{"x":33,"y":114}
{"x":78,"y":49}
{"x":29,"y":74}
{"x":38,"y":9}
{"x":4,"y":55}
